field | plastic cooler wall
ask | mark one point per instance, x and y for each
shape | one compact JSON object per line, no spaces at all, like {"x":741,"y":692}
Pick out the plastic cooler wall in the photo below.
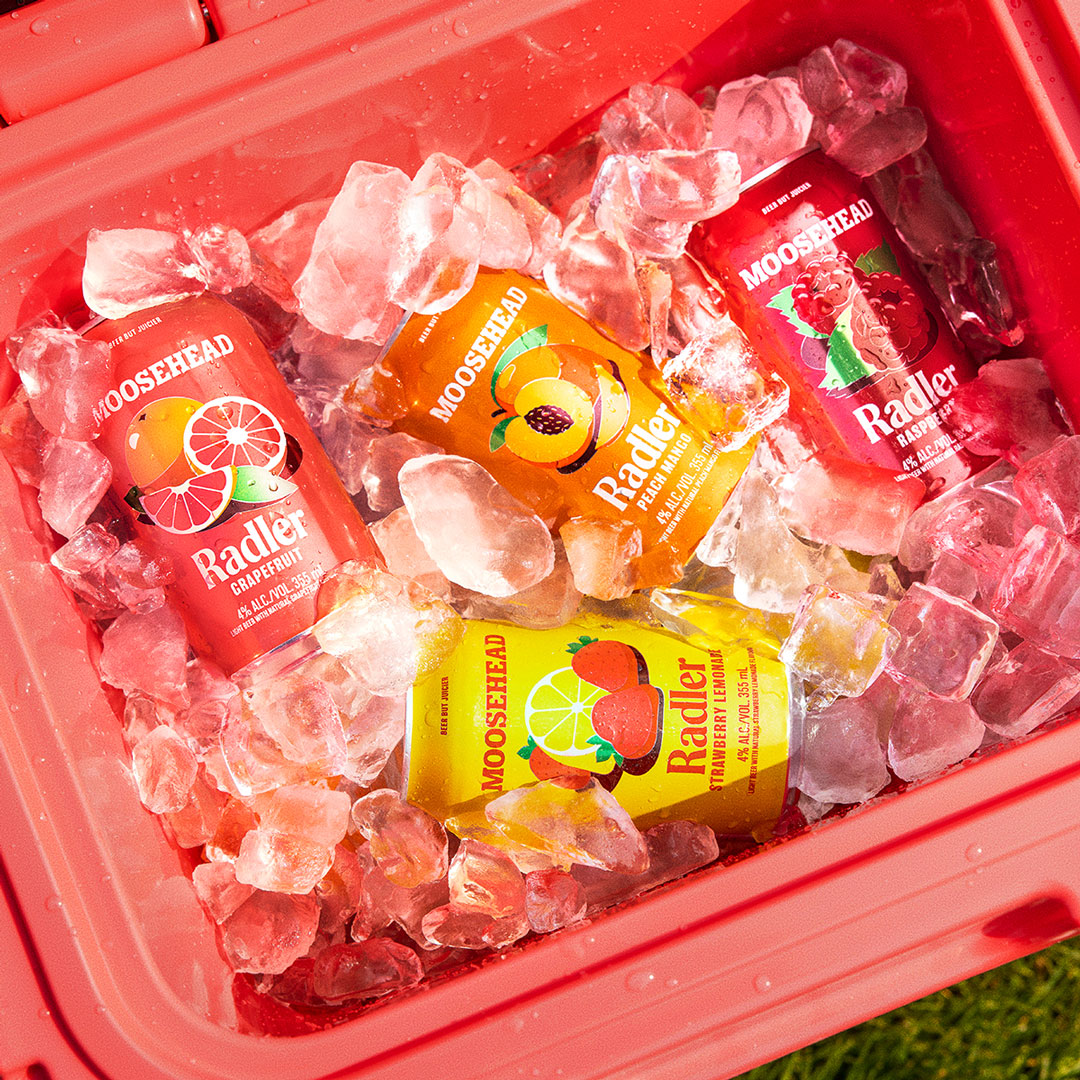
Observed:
{"x":707,"y":977}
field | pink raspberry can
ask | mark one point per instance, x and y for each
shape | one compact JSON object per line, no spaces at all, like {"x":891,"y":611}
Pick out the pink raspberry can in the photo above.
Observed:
{"x":822,"y":286}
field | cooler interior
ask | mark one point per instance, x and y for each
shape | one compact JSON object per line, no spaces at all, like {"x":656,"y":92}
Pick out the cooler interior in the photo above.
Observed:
{"x":706,"y":977}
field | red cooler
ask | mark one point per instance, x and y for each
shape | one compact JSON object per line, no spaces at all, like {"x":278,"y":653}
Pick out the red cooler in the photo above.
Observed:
{"x":173,"y":113}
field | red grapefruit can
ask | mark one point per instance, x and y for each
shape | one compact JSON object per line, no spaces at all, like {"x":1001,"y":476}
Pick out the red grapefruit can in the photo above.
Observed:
{"x":219,"y":469}
{"x":821,"y":284}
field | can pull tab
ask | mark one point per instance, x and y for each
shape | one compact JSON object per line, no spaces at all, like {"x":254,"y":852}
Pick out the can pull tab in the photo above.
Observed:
{"x":53,"y":51}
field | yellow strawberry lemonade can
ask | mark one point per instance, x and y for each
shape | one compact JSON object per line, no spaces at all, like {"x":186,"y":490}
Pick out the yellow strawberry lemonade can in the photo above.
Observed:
{"x":674,"y":730}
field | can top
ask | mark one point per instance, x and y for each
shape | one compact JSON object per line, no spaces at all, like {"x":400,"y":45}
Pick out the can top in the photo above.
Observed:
{"x":776,"y":166}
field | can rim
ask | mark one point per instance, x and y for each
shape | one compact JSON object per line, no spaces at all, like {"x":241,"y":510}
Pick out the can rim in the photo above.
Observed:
{"x":776,"y":166}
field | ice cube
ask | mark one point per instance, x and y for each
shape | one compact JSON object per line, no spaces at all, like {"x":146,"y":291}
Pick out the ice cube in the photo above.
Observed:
{"x":339,"y":891}
{"x":870,"y":76}
{"x":843,"y":756}
{"x":213,"y":696}
{"x":684,"y":185}
{"x":136,"y":575}
{"x":929,"y":733}
{"x":282,"y":862}
{"x":23,"y":441}
{"x":859,"y":507}
{"x":387,"y":632}
{"x":484,"y":879}
{"x":1039,"y":593}
{"x":837,"y":642}
{"x":561,"y":180}
{"x":75,"y":477}
{"x":299,"y":714}
{"x":1008,"y":409}
{"x":127,"y":270}
{"x":385,"y":456}
{"x":269,"y":931}
{"x":223,"y":256}
{"x":602,"y":556}
{"x":372,"y":732}
{"x":595,"y":276}
{"x":65,"y":376}
{"x":409,"y":845}
{"x":478,"y":534}
{"x":721,"y":381}
{"x":383,"y":901}
{"x":405,"y":555}
{"x":147,"y":653}
{"x":585,"y":825}
{"x":1027,"y":688}
{"x":465,"y":928}
{"x":164,"y":769}
{"x":344,"y":287}
{"x":81,"y":562}
{"x":675,"y":848}
{"x":288,"y":239}
{"x":619,"y":215}
{"x":218,"y":890}
{"x":549,"y":603}
{"x":866,"y":144}
{"x":1048,"y":486}
{"x":441,"y":224}
{"x":553,"y":899}
{"x":196,"y":823}
{"x":365,"y":969}
{"x":653,"y":117}
{"x":312,"y":811}
{"x":954,"y":576}
{"x":944,"y":642}
{"x":822,"y":83}
{"x":762,"y":120}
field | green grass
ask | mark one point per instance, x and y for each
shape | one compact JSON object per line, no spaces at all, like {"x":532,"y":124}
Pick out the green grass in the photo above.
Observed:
{"x":1018,"y":1022}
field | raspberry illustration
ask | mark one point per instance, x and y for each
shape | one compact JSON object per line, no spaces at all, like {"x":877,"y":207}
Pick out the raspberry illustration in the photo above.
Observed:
{"x":889,"y":325}
{"x":824,"y":288}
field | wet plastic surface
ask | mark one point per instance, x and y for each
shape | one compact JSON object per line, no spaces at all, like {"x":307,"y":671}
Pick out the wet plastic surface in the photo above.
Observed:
{"x":707,"y":977}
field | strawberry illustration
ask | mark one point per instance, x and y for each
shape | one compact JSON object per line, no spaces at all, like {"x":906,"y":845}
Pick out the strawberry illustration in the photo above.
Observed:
{"x":611,"y":665}
{"x":628,"y":719}
{"x":545,"y":767}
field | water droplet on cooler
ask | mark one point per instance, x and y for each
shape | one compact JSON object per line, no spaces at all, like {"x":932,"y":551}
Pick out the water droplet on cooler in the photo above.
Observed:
{"x":45,"y":1014}
{"x":254,"y":5}
{"x":973,"y":853}
{"x":517,"y":1025}
{"x":640,"y":980}
{"x":39,"y":26}
{"x":460,"y":28}
{"x":53,"y":903}
{"x":762,"y":984}
{"x":354,"y":48}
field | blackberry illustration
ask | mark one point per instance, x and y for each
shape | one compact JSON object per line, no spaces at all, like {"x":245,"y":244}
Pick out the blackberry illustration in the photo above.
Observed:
{"x":549,"y":419}
{"x":889,"y":325}
{"x":824,"y":288}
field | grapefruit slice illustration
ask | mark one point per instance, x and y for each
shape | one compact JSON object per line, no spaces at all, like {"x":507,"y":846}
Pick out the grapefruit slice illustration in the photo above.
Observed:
{"x":193,"y":505}
{"x":234,"y":431}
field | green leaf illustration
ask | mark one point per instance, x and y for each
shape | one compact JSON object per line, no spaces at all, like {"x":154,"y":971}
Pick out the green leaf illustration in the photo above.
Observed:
{"x":527,"y":750}
{"x":783,"y":303}
{"x":604,"y":749}
{"x":878,"y":259}
{"x":254,"y":484}
{"x":581,"y":642}
{"x":538,"y":335}
{"x":498,"y":434}
{"x":843,"y":364}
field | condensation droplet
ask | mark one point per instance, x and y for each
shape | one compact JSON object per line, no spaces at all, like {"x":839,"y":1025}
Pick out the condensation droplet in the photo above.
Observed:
{"x":640,"y":980}
{"x":39,"y":26}
{"x":53,"y":903}
{"x":762,"y":984}
{"x":517,"y":1025}
{"x":460,"y":28}
{"x":354,"y":48}
{"x":973,"y":853}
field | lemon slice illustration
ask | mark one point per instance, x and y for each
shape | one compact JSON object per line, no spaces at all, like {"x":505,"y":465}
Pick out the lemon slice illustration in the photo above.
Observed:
{"x":558,"y":713}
